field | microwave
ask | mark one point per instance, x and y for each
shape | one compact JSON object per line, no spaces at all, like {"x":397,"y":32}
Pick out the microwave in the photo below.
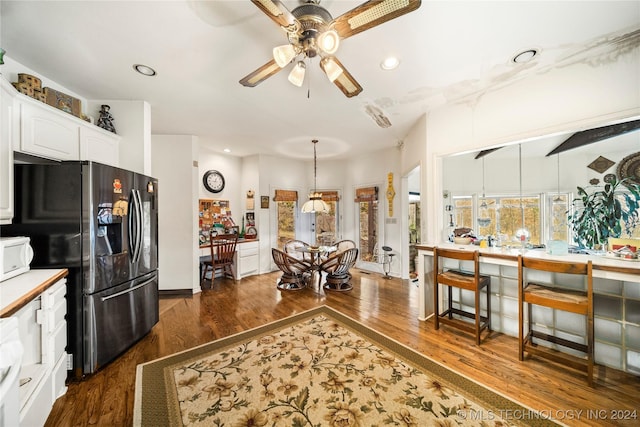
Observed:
{"x":15,"y":255}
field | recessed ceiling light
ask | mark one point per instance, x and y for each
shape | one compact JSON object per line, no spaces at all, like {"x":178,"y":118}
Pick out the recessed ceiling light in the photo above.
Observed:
{"x":390,"y":63}
{"x":144,"y":70}
{"x":524,"y":56}
{"x":227,"y":150}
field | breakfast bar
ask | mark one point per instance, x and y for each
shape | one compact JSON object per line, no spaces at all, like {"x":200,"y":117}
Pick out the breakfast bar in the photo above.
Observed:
{"x":616,"y":285}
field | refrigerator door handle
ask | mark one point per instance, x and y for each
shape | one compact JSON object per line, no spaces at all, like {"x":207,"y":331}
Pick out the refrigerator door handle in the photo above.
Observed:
{"x":130,"y":225}
{"x":139,"y":225}
{"x":135,"y":226}
{"x":141,"y":285}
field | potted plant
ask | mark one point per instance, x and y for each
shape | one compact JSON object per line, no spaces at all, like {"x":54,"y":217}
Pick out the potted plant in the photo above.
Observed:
{"x":600,"y":214}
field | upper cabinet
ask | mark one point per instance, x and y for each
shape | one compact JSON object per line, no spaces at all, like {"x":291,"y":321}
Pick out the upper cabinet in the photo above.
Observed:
{"x":46,"y":132}
{"x":7,"y":135}
{"x":42,"y":130}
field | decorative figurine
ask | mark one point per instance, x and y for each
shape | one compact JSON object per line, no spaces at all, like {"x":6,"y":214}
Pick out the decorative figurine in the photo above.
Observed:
{"x":106,"y":119}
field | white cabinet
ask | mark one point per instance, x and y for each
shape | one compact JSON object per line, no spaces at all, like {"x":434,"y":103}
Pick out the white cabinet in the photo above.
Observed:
{"x":46,"y":132}
{"x":7,"y":135}
{"x":248,"y":260}
{"x":32,"y":127}
{"x":99,"y":145}
{"x":43,"y":333}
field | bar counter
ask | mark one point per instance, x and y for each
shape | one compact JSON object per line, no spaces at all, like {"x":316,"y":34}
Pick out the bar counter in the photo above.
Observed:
{"x":616,"y":286}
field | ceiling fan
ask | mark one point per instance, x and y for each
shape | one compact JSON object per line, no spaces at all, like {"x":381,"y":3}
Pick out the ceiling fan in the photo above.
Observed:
{"x":313,"y":32}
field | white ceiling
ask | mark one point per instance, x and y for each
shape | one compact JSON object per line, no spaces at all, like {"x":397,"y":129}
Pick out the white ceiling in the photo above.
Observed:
{"x":449,"y":51}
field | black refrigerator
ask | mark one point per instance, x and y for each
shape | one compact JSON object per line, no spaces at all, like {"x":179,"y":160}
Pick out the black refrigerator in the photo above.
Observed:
{"x":101,"y":223}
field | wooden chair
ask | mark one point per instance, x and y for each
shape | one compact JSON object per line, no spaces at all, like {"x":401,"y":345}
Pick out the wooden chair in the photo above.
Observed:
{"x":556,"y":297}
{"x":337,"y":268}
{"x":222,"y":253}
{"x":343,"y":245}
{"x":291,"y":247}
{"x":295,"y":272}
{"x":467,"y":280}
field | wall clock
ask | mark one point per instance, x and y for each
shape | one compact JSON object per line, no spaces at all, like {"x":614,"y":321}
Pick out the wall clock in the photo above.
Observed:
{"x":213,"y":181}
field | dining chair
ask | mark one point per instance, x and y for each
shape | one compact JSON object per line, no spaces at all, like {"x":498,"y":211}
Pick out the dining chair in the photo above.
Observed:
{"x":337,"y":270}
{"x":559,"y":285}
{"x":295,"y":272}
{"x":293,"y":246}
{"x":222,"y":253}
{"x":468,"y":279}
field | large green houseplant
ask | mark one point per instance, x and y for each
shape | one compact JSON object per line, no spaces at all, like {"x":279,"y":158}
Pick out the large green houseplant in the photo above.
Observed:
{"x":604,"y":212}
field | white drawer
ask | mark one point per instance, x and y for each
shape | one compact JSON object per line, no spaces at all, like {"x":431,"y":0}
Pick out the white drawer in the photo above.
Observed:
{"x":247,"y":246}
{"x":58,"y":341}
{"x":249,"y":252}
{"x":59,"y":376}
{"x":37,"y":408}
{"x":54,"y":294}
{"x":56,"y":315}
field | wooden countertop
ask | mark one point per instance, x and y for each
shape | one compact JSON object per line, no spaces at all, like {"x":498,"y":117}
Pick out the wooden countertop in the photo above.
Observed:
{"x":18,"y":291}
{"x":601,"y":263}
{"x":240,"y":241}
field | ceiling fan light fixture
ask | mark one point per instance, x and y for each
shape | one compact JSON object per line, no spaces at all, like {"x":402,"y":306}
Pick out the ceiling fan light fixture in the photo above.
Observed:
{"x":331,"y":68}
{"x":329,"y":41}
{"x":296,"y":76}
{"x":284,"y":54}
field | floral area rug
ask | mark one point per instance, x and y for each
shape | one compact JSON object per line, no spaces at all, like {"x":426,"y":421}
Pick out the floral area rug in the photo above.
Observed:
{"x":317,"y":368}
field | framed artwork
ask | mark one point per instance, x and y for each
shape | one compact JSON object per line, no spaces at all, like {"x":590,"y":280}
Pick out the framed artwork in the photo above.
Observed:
{"x":251,"y":217}
{"x":264,"y":202}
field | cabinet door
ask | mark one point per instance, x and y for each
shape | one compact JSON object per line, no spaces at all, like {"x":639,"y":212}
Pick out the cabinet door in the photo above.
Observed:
{"x":48,"y":133}
{"x":99,"y":145}
{"x":7,"y":133}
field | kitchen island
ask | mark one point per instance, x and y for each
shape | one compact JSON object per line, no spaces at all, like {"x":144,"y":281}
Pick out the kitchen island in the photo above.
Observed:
{"x":616,"y":287}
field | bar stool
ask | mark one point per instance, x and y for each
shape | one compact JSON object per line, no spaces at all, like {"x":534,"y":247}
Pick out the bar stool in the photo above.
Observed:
{"x":467,"y":280}
{"x":556,"y":297}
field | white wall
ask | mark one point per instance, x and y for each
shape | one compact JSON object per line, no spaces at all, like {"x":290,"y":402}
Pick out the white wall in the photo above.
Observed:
{"x":174,"y":161}
{"x":132,"y":120}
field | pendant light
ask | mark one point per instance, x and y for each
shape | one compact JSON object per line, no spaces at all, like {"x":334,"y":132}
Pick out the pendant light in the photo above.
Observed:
{"x":315,"y":202}
{"x":558,"y":199}
{"x":483,"y":213}
{"x":522,"y":234}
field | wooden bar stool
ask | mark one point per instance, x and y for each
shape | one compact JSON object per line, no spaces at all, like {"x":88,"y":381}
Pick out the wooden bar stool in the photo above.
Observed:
{"x":556,"y":297}
{"x":468,"y":280}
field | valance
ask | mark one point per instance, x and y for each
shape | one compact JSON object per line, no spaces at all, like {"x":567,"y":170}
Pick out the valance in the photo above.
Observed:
{"x":366,"y":194}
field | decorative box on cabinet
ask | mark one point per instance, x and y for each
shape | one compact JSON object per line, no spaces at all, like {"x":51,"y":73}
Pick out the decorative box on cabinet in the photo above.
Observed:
{"x":46,"y":132}
{"x":99,"y":145}
{"x":7,"y":135}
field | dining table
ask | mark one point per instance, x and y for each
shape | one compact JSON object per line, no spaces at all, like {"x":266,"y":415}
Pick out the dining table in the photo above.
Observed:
{"x":318,"y":254}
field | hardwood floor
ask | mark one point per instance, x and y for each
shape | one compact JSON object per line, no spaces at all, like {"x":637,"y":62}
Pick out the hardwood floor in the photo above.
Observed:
{"x":389,"y":306}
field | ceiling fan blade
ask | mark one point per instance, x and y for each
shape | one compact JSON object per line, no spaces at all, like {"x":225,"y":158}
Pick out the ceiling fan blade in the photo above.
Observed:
{"x":261,"y":74}
{"x":345,"y":81}
{"x":279,"y":13}
{"x":372,"y":13}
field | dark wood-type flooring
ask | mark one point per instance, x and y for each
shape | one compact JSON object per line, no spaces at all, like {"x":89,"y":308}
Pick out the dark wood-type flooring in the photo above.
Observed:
{"x":389,"y":306}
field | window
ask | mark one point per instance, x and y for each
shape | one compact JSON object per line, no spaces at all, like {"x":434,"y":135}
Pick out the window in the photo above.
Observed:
{"x":286,"y":203}
{"x":367,"y":200}
{"x":505,"y":217}
{"x":558,"y":227}
{"x":327,"y":223}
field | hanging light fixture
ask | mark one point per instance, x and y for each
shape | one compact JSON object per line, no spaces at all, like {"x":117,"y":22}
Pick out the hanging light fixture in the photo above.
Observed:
{"x":522,"y":234}
{"x":483,"y":214}
{"x":558,"y":199}
{"x":315,"y":202}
